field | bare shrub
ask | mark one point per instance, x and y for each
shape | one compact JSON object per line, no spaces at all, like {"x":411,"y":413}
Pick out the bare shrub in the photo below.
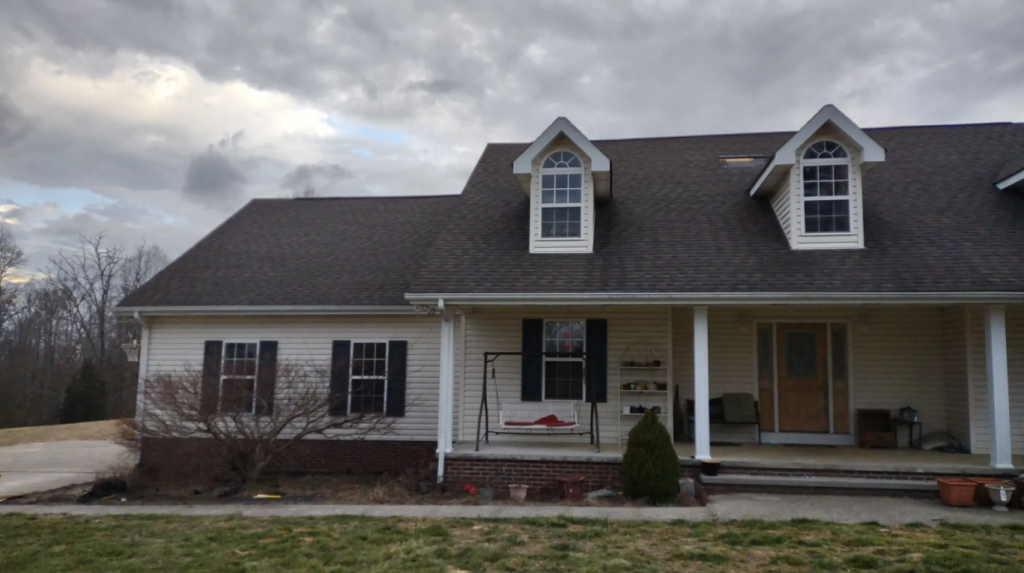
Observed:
{"x":175,"y":407}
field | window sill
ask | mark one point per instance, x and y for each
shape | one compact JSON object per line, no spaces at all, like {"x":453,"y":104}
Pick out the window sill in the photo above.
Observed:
{"x":828,"y":234}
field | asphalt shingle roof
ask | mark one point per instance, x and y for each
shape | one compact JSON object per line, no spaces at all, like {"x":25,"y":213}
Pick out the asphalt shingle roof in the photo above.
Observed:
{"x":678,"y":223}
{"x":351,"y":251}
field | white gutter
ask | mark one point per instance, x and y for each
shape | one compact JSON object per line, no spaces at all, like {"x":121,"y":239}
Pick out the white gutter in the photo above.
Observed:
{"x":264,"y":310}
{"x":687,"y":299}
{"x":1010,"y":181}
{"x":140,"y":386}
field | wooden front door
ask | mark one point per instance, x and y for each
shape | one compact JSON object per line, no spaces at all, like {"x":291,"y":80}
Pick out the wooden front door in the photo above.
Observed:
{"x":803,"y":377}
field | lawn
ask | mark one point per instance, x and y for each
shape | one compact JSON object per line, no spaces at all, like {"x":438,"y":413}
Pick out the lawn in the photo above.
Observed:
{"x":104,"y":430}
{"x":236,"y":544}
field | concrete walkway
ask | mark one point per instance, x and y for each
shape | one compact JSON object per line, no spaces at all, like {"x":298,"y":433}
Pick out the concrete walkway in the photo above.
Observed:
{"x":29,"y":468}
{"x":839,"y":509}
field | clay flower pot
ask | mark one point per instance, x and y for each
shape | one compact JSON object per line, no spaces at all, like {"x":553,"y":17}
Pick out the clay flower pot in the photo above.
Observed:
{"x":956,"y":492}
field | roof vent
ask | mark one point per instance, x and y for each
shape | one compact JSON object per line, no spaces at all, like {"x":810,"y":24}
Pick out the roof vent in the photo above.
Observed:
{"x":741,"y":161}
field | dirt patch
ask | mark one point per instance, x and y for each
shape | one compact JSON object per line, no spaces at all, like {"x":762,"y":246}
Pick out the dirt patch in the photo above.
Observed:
{"x":103,"y":430}
{"x":322,"y":489}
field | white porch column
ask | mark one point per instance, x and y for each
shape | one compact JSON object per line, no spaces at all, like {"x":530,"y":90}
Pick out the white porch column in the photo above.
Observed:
{"x":998,"y":386}
{"x":446,"y":390}
{"x":701,"y":424}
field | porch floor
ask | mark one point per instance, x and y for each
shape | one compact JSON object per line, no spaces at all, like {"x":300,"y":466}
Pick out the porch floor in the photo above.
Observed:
{"x":756,"y":456}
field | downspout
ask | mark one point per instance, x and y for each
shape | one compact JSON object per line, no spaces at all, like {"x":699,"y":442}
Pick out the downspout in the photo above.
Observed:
{"x":446,"y":388}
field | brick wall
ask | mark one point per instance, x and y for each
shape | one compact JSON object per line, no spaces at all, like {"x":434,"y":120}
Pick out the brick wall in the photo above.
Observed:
{"x":196,"y":458}
{"x":539,"y":475}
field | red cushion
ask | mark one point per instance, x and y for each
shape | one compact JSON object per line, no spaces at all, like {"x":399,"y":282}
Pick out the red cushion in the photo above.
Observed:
{"x":550,"y":421}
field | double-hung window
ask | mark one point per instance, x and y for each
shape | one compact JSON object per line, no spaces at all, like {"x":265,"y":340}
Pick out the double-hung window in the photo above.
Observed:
{"x":564,"y":373}
{"x":561,"y":194}
{"x":238,"y":378}
{"x":369,"y":378}
{"x":826,"y":179}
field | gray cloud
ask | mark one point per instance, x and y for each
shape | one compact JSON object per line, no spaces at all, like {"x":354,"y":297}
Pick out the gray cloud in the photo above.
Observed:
{"x":446,"y":77}
{"x":323,"y":179}
{"x":213,"y":177}
{"x":14,"y":124}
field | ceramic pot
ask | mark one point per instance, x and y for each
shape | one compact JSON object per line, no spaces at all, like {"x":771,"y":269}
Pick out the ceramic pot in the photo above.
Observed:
{"x":518,"y":491}
{"x":1000,"y":494}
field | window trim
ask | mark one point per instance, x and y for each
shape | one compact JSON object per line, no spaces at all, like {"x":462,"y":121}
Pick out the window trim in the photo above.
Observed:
{"x":804,"y":199}
{"x":352,"y":377}
{"x":222,"y":377}
{"x":546,"y":359}
{"x":581,"y":171}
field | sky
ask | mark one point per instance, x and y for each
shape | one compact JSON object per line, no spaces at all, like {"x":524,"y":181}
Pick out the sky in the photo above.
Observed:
{"x":152,"y":121}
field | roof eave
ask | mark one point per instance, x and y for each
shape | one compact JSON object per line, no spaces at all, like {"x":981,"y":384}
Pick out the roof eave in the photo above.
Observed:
{"x":1017,"y":179}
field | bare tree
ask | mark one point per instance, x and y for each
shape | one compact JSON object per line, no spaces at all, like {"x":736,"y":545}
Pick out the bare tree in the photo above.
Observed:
{"x":305,"y":193}
{"x":139,"y":266}
{"x":11,"y":256}
{"x":87,"y":278}
{"x":177,"y":407}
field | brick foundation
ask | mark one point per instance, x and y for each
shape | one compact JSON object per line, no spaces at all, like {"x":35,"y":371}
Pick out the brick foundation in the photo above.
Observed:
{"x":538,"y":474}
{"x":196,"y":459}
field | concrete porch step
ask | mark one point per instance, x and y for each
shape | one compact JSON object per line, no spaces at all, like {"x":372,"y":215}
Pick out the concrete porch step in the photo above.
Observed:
{"x":744,"y":480}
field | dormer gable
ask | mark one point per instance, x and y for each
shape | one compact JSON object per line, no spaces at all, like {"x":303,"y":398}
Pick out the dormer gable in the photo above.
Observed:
{"x":814,"y":182}
{"x":1012,"y":175}
{"x":564,"y":174}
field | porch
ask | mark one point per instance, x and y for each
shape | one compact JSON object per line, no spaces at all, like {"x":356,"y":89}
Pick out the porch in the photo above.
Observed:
{"x":960,"y":366}
{"x":809,"y":459}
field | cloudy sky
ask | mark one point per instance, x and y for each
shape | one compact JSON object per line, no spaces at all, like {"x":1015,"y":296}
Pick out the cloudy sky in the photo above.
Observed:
{"x":154,"y":120}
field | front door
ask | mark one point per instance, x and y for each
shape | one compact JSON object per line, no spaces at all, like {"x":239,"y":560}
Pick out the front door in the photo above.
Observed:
{"x":803,"y":377}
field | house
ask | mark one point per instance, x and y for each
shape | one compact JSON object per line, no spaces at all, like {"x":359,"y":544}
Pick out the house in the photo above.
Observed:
{"x":824,"y":272}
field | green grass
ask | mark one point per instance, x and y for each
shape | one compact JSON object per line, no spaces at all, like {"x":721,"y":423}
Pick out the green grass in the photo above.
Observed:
{"x":258,"y":545}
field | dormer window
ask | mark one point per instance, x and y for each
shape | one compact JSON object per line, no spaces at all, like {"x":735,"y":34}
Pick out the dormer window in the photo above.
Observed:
{"x":561,"y":191}
{"x":826,"y":177}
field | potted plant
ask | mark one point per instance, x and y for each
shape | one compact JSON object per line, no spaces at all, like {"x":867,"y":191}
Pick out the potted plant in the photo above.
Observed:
{"x":956,"y":492}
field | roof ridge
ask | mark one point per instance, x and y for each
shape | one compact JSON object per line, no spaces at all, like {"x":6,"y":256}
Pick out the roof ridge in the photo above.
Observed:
{"x":779,"y":132}
{"x":432,"y":196}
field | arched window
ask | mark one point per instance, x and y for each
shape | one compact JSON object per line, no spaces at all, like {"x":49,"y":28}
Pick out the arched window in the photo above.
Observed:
{"x":826,"y":179}
{"x":561,"y":196}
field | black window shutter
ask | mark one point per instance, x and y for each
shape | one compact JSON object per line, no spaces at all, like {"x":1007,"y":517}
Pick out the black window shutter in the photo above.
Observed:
{"x":341,"y":350}
{"x":210,"y":390}
{"x":533,"y":360}
{"x":597,"y":360}
{"x":266,"y":377}
{"x":398,"y":351}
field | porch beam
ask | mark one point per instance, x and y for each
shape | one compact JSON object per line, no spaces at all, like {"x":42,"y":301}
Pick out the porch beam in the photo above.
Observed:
{"x":701,"y":376}
{"x":998,"y":386}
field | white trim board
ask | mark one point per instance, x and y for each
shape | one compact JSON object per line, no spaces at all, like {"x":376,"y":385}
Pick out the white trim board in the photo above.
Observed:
{"x":871,"y":151}
{"x":1010,"y":181}
{"x":265,"y":310}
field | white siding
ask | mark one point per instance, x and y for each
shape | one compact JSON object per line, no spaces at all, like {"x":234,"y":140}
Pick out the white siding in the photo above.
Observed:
{"x":178,"y":342}
{"x":500,"y":330}
{"x":954,"y":353}
{"x":783,"y":208}
{"x":981,"y":433}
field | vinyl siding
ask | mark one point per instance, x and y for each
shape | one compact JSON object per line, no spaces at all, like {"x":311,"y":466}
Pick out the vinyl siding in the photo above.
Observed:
{"x":783,"y":208}
{"x":630,"y":330}
{"x":954,"y":354}
{"x":176,"y":343}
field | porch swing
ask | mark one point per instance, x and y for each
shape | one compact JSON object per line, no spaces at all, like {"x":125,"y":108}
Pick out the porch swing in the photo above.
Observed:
{"x":551,"y":418}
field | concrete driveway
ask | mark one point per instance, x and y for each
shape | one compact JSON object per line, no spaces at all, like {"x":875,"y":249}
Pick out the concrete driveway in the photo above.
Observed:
{"x":30,"y":468}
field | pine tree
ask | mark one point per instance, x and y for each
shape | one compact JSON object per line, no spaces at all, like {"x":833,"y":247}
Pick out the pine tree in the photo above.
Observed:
{"x":85,"y":399}
{"x":650,"y":466}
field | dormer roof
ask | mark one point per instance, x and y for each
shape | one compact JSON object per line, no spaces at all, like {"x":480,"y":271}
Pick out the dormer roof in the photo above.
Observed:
{"x":600,"y":165}
{"x":785,"y":157}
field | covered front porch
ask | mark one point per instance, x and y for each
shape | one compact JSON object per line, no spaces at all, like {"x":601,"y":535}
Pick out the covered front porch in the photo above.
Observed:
{"x":960,"y":366}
